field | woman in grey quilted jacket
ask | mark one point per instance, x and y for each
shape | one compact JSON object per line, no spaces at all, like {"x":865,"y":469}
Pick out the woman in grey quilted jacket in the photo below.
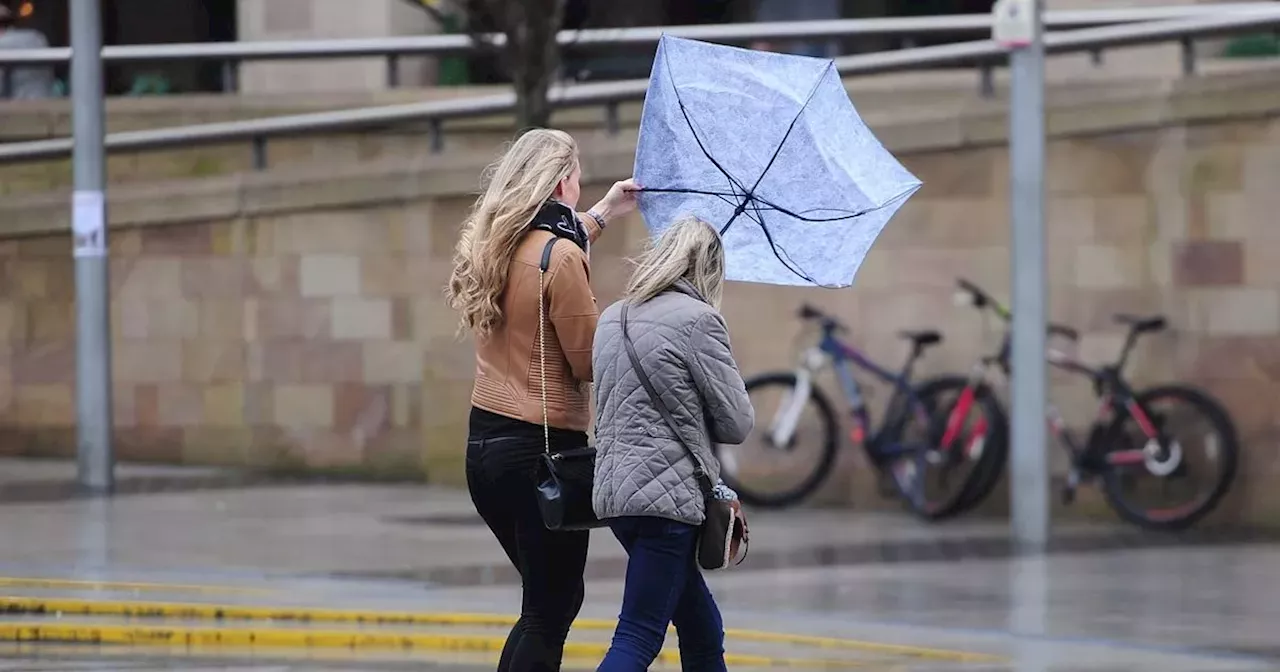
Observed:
{"x":644,"y":479}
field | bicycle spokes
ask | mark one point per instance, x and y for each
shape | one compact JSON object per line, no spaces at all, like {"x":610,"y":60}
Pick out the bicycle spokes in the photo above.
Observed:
{"x":1167,"y":462}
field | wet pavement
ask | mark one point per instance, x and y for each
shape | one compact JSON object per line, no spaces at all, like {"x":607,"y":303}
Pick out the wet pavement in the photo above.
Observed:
{"x":853,"y":590}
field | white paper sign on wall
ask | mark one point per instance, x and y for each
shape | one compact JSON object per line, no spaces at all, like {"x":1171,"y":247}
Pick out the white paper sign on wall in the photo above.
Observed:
{"x":1013,"y":22}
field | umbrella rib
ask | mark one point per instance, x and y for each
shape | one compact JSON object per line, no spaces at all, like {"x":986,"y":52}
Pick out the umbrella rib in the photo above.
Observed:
{"x":750,"y":195}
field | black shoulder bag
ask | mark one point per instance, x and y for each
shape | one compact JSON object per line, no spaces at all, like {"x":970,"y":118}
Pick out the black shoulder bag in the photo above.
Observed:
{"x":722,"y":530}
{"x":564,"y":478}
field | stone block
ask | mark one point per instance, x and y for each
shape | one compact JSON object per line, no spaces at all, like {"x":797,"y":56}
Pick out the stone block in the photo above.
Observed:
{"x":149,"y":278}
{"x":223,"y":404}
{"x":146,"y":361}
{"x":217,"y":446}
{"x":146,"y":404}
{"x":44,"y":363}
{"x":258,"y":407}
{"x":390,"y":275}
{"x":213,"y":277}
{"x":325,"y":449}
{"x":180,"y":240}
{"x":288,"y":319}
{"x":172,"y":318}
{"x":180,"y":404}
{"x":1108,"y":267}
{"x":337,"y":231}
{"x":26,"y":279}
{"x":1262,"y":263}
{"x":1070,"y":219}
{"x":1208,"y":262}
{"x":362,"y":411}
{"x":1226,"y":215}
{"x":1227,"y":311}
{"x":978,"y":173}
{"x":323,"y":275}
{"x":43,"y":405}
{"x":303,"y":406}
{"x":221,"y":319}
{"x":1124,"y":220}
{"x":404,"y":405}
{"x":357,"y":318}
{"x":50,"y":321}
{"x":402,"y":318}
{"x":13,"y":322}
{"x":209,"y":361}
{"x":1238,"y":358}
{"x":276,"y":276}
{"x":393,"y":361}
{"x":306,"y":362}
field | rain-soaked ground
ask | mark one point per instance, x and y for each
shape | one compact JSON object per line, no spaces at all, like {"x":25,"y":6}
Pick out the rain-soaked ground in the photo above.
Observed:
{"x":821,"y":588}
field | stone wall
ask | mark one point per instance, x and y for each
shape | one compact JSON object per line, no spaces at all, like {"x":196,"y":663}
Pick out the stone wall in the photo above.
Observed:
{"x":295,"y":321}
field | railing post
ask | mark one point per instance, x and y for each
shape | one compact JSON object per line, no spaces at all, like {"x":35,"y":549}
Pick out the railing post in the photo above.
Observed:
{"x":259,"y":152}
{"x":611,"y":125}
{"x":1095,"y":55}
{"x":393,"y":71}
{"x":987,"y":80}
{"x":1188,"y":56}
{"x":435,"y":132}
{"x":230,"y":76}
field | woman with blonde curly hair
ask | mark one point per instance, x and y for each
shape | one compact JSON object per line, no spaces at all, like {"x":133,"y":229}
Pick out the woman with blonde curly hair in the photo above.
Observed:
{"x":524,"y":245}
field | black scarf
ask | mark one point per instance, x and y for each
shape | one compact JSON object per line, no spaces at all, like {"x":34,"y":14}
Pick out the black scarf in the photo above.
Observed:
{"x":561,"y":221}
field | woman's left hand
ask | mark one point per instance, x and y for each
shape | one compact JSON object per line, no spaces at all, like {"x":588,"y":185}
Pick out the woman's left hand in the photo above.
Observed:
{"x":620,"y":201}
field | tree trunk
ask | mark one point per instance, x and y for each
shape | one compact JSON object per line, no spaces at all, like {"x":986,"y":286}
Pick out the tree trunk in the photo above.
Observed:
{"x":533,"y":56}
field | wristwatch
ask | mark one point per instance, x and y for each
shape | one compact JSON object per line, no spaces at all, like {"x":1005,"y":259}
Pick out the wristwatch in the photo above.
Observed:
{"x":598,"y":217}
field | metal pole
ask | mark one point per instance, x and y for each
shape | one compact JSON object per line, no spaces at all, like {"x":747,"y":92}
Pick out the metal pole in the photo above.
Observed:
{"x":89,"y":247}
{"x":1030,"y":495}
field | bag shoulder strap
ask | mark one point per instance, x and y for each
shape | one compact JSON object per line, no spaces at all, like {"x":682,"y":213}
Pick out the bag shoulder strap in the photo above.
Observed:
{"x":542,"y":338}
{"x":704,"y":481}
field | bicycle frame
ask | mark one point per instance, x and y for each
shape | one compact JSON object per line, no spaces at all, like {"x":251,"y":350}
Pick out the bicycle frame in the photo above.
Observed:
{"x":1090,"y":456}
{"x":844,"y":358}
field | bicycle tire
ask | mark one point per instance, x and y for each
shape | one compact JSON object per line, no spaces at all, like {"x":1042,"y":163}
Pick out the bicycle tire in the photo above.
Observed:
{"x":822,"y":468}
{"x":982,"y":480}
{"x":1221,"y":422}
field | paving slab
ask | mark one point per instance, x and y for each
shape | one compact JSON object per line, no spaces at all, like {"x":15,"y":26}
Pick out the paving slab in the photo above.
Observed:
{"x":1093,"y":605}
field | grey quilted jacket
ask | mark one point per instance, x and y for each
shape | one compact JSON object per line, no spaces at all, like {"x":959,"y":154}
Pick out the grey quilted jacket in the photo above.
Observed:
{"x":641,"y":468}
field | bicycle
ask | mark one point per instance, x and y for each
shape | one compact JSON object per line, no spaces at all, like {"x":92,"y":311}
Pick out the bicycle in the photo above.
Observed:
{"x":1108,"y":453}
{"x":887,"y":447}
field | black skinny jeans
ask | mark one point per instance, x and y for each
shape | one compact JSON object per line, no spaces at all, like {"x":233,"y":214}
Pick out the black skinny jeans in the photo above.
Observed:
{"x":500,"y":477}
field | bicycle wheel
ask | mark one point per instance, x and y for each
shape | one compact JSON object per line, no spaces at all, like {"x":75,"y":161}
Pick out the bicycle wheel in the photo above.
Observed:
{"x":962,"y":474}
{"x":771,"y":485}
{"x":1176,"y":458}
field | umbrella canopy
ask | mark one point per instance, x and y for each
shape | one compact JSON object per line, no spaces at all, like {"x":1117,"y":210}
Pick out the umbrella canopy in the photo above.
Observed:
{"x":768,"y":148}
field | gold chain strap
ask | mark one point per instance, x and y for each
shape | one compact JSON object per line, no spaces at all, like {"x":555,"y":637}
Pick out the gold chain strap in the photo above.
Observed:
{"x":542,"y":360}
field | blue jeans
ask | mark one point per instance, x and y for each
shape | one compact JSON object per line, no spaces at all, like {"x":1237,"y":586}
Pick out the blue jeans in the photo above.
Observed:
{"x":663,"y":586}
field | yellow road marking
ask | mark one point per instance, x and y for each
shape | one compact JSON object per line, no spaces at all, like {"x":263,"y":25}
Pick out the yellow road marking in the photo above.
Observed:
{"x":24,"y":582}
{"x":225,"y":612}
{"x":212,"y":637}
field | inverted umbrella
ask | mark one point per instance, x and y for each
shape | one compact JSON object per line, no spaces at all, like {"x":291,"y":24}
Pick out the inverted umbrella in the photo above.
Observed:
{"x":769,"y":149}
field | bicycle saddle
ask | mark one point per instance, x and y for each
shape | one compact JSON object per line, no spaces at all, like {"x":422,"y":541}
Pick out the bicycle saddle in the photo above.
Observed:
{"x":922,"y":338}
{"x":1142,"y":324}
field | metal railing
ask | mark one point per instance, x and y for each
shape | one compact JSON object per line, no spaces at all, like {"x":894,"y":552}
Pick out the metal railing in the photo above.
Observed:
{"x":983,"y":53}
{"x":393,"y":49}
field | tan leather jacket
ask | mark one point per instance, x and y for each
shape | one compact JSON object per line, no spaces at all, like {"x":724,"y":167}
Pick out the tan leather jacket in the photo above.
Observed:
{"x":507,"y":370}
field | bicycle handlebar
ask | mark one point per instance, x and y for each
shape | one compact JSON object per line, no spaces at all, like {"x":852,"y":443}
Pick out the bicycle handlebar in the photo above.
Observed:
{"x":808,"y":312}
{"x":973,"y":295}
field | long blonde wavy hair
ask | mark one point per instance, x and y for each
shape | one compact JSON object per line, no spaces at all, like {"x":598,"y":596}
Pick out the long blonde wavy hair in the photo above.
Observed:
{"x":691,"y":250}
{"x":516,"y":186}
